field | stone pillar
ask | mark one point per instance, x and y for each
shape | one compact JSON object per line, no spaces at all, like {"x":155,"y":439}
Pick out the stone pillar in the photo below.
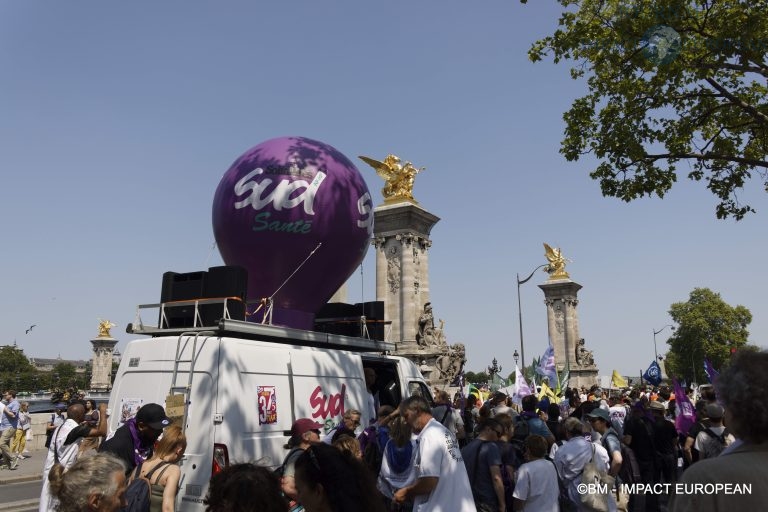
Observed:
{"x":401,"y":239}
{"x":103,"y":348}
{"x":560,"y":297}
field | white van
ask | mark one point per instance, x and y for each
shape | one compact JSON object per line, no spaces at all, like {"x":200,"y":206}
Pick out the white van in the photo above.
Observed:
{"x":239,"y":386}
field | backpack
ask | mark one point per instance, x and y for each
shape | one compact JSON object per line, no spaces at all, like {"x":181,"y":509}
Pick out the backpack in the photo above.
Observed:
{"x":522,"y":429}
{"x":629,"y":473}
{"x":139,"y":491}
{"x":718,"y":448}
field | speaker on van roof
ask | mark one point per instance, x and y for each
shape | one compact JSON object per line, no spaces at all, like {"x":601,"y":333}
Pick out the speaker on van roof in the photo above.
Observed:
{"x":218,"y":282}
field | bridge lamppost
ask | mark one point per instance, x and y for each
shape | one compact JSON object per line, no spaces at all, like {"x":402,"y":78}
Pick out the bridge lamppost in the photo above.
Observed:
{"x":520,"y":311}
{"x":655,"y":332}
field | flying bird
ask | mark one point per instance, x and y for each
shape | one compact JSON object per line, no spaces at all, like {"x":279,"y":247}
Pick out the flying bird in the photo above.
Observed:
{"x":30,"y":328}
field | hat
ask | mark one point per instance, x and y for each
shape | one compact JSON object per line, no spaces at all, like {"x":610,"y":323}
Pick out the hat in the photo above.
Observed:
{"x":304,"y":425}
{"x":656,"y":406}
{"x":153,"y":415}
{"x":599,"y":413}
{"x":713,"y":411}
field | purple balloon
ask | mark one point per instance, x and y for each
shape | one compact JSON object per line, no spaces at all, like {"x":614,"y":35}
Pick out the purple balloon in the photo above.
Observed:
{"x":279,"y":202}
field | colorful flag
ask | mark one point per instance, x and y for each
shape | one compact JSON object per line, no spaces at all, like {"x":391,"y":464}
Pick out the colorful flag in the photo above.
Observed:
{"x":546,"y":366}
{"x":685,"y":415}
{"x":546,"y":391}
{"x":521,"y":387}
{"x":712,"y":374}
{"x":653,"y":374}
{"x":617,"y":381}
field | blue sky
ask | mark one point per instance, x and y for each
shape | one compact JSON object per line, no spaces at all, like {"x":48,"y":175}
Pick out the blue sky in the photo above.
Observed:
{"x":117,"y":121}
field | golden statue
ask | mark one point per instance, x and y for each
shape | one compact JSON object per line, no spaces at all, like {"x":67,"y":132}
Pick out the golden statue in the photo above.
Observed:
{"x":104,"y":327}
{"x":399,"y":178}
{"x":556,"y":266}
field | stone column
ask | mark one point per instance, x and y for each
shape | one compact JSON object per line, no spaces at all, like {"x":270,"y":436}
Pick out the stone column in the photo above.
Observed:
{"x":401,"y":238}
{"x":562,"y":318}
{"x":103,"y":348}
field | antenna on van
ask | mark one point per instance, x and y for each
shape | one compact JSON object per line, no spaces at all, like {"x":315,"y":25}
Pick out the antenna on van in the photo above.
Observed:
{"x":270,"y":301}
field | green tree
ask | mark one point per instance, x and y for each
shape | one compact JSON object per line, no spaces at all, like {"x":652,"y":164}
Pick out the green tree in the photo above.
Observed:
{"x":670,"y":82}
{"x":16,"y":371}
{"x":476,"y":378}
{"x":65,"y":374}
{"x":707,"y":327}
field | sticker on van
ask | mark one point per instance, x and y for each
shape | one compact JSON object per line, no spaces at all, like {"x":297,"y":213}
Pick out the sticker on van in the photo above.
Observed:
{"x":267,"y":405}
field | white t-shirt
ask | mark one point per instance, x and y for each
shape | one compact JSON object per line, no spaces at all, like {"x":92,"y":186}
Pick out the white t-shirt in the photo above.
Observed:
{"x":537,"y":484}
{"x":453,"y":419}
{"x":570,"y":460}
{"x":67,"y":457}
{"x":438,"y":455}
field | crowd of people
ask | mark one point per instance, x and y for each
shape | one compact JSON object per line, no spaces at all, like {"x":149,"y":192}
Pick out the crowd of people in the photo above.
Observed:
{"x":450,"y":455}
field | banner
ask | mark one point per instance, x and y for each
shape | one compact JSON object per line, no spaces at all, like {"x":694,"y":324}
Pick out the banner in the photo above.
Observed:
{"x":565,"y":377}
{"x":521,"y":387}
{"x":617,"y":381}
{"x":712,"y":374}
{"x":685,"y":414}
{"x":546,"y":366}
{"x":653,"y":374}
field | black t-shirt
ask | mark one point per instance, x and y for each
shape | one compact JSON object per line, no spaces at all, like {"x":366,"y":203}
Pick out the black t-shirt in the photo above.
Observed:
{"x":664,"y":434}
{"x":642,"y":444}
{"x":121,"y":444}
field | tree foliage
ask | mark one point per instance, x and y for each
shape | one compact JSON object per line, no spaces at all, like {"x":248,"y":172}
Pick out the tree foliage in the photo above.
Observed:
{"x":670,"y":82}
{"x":707,"y":327}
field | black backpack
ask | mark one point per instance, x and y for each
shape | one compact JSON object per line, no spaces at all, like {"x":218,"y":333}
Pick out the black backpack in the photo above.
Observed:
{"x":721,"y":438}
{"x":139,"y":491}
{"x":629,"y":473}
{"x":522,"y":429}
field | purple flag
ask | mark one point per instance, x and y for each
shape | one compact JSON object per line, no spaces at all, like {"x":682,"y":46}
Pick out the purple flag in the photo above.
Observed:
{"x":710,"y":371}
{"x":547,"y":368}
{"x":685,"y":415}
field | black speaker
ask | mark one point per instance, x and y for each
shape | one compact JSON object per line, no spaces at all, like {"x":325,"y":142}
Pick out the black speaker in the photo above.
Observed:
{"x":216,"y":283}
{"x":225,"y":281}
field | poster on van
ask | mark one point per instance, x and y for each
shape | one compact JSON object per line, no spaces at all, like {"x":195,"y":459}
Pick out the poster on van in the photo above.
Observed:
{"x":128,"y":409}
{"x":267,"y":405}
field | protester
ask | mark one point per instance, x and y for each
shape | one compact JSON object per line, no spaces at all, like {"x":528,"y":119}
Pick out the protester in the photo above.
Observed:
{"x":349,"y":445}
{"x":741,"y":388}
{"x":92,"y":484}
{"x":57,"y":419}
{"x":304,"y":433}
{"x":397,"y":466}
{"x":529,"y":422}
{"x":573,"y":455}
{"x":444,"y":412}
{"x":711,"y":441}
{"x":349,"y":422}
{"x":162,"y":470}
{"x":19,"y":443}
{"x":665,"y":443}
{"x":245,"y":488}
{"x":536,"y":487}
{"x":65,"y":447}
{"x":92,"y":419}
{"x":134,"y":441}
{"x":329,"y":480}
{"x":482,"y":459}
{"x":8,"y":424}
{"x":441,"y":478}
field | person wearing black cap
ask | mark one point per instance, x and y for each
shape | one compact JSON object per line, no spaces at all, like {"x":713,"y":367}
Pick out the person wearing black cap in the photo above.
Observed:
{"x":133,"y":442}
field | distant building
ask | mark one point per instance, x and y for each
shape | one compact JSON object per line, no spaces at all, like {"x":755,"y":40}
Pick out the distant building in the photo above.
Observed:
{"x":47,"y":365}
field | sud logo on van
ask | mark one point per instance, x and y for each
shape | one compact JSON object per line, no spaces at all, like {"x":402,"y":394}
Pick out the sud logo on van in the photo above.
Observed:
{"x":327,"y":406}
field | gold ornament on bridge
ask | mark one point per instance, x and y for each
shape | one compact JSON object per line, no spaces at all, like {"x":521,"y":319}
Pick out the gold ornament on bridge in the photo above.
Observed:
{"x":556,"y":266}
{"x":399,"y":178}
{"x":104,"y":327}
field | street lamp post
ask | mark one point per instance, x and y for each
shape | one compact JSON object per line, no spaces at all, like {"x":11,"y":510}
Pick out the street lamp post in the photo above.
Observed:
{"x":520,"y":311}
{"x":493,"y":369}
{"x":655,"y":332}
